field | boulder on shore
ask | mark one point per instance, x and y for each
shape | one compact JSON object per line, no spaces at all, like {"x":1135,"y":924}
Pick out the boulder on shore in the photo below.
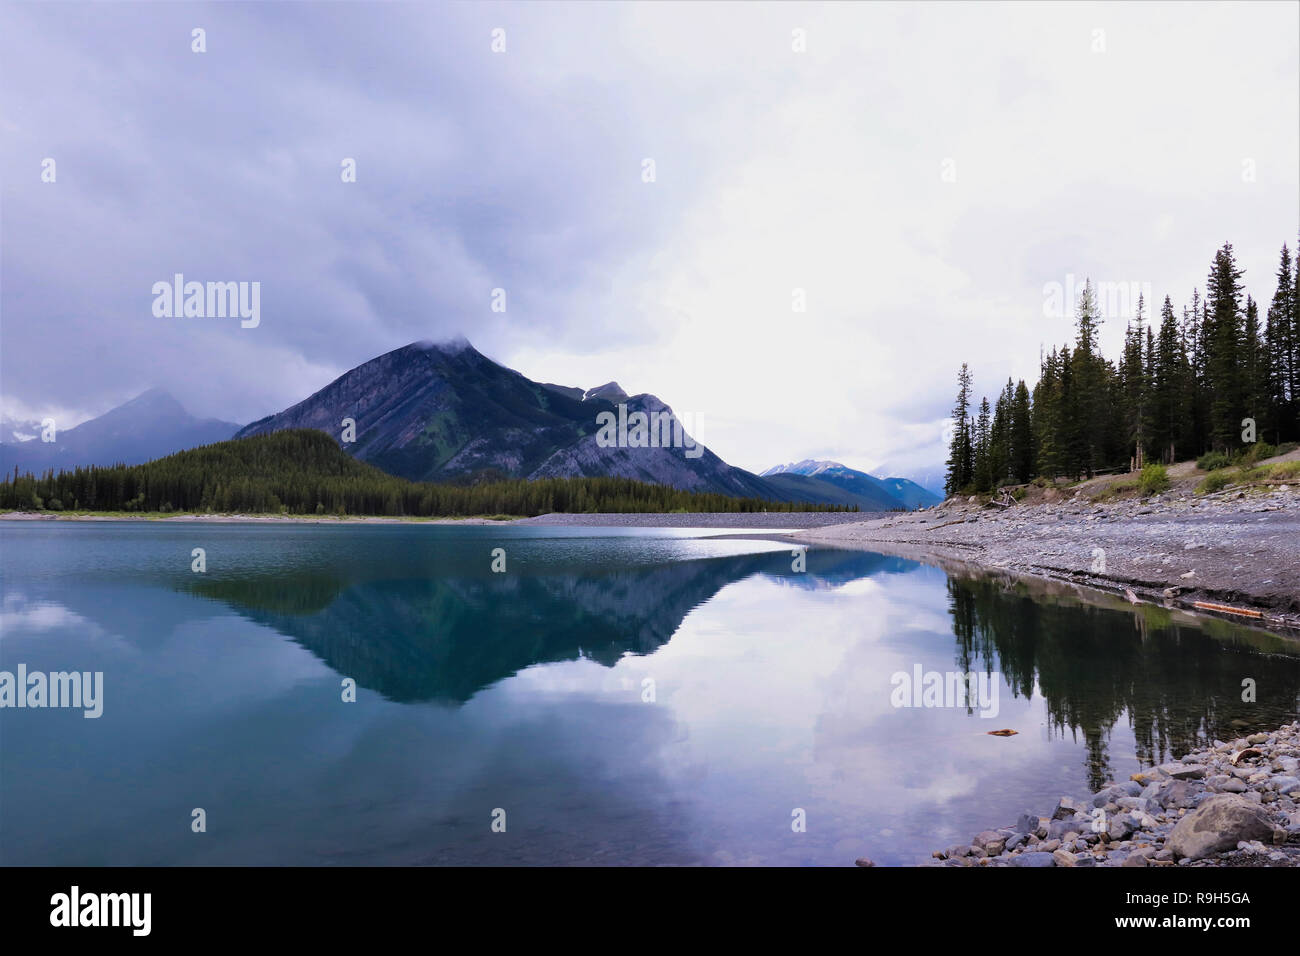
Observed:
{"x":1218,"y":824}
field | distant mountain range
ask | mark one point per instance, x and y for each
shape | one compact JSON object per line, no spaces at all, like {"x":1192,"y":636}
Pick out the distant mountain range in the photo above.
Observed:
{"x":444,"y":412}
{"x":149,"y":426}
{"x":867,"y":491}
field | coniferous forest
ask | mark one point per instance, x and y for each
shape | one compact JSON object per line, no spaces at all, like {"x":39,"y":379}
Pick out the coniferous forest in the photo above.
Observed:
{"x":304,"y":472}
{"x":1219,"y":377}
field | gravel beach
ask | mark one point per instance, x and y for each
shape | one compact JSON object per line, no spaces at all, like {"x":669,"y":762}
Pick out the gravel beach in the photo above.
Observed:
{"x":1235,"y":548}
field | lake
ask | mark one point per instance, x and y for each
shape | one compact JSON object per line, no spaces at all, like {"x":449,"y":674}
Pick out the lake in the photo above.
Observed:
{"x":613,"y":696}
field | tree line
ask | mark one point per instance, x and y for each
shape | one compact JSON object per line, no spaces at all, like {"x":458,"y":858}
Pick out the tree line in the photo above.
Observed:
{"x":303,"y":472}
{"x":1211,"y":379}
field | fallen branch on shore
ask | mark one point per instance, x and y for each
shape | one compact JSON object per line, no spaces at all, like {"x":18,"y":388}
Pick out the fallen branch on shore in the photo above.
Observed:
{"x":1242,"y":611}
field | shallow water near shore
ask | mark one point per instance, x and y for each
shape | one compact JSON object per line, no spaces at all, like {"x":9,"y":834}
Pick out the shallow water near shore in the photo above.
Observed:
{"x":625,"y":696}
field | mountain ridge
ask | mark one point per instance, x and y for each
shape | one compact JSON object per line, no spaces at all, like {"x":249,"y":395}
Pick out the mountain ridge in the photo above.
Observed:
{"x":449,"y":413}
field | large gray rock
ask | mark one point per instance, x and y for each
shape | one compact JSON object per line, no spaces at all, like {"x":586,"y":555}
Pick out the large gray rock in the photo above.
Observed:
{"x":1286,"y":784}
{"x":1183,"y":771}
{"x":1178,"y":794}
{"x":1218,"y":824}
{"x":1033,"y":859}
{"x":1121,"y":827}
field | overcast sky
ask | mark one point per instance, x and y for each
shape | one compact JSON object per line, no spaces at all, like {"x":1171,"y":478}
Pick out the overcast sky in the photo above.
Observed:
{"x":920,"y":171}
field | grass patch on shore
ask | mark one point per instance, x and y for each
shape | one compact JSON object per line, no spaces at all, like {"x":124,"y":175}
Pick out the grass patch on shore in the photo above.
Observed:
{"x":1114,"y":490}
{"x":1259,"y":475}
{"x":1153,"y":479}
{"x":1214,"y":481}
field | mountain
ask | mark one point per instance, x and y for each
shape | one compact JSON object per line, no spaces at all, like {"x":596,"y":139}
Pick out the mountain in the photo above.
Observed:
{"x":930,"y":479}
{"x":149,"y":426}
{"x":17,"y":430}
{"x":867,"y":491}
{"x":444,"y":412}
{"x":911,"y":494}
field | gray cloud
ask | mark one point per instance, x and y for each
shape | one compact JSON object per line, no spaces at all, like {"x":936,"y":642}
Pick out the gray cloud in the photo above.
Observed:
{"x":522,"y":170}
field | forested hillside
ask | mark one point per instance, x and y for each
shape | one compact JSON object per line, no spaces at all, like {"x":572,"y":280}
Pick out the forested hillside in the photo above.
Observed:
{"x":304,"y":472}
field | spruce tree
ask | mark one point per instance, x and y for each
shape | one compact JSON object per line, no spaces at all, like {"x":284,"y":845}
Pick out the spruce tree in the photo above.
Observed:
{"x":1224,"y":335}
{"x":961,"y":464}
{"x":1254,"y":369}
{"x":1086,"y":416}
{"x":1280,"y":355}
{"x":1046,"y":417}
{"x":1022,"y":436}
{"x":983,"y":470}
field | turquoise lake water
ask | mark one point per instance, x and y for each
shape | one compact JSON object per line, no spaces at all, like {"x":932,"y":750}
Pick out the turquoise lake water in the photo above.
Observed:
{"x":615,"y":696}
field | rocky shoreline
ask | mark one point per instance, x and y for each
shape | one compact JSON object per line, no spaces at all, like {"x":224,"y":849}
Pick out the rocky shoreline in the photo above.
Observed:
{"x":1231,"y":804}
{"x":1237,"y":548}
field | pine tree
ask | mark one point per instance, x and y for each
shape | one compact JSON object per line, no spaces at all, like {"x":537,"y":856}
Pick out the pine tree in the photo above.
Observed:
{"x":1086,"y":413}
{"x":1021,"y":435}
{"x":1133,"y":384}
{"x":1254,"y":368}
{"x":983,"y":469}
{"x":1280,"y":356}
{"x":1000,"y":438}
{"x":1193,"y":346}
{"x":1224,"y":334}
{"x":1046,"y":416}
{"x":1294,"y":386}
{"x":961,"y":463}
{"x":1148,"y":380}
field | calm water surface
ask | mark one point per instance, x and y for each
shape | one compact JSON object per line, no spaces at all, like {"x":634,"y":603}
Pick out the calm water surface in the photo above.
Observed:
{"x":769,"y":692}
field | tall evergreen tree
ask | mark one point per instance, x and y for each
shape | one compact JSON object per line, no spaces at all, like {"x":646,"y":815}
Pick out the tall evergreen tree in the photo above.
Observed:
{"x":983,"y":469}
{"x":1224,"y":334}
{"x":1280,"y":354}
{"x":1021,"y":430}
{"x":1293,"y":384}
{"x":1000,"y":438}
{"x":1047,"y":416}
{"x":1134,"y":386}
{"x":1254,"y":369}
{"x":961,"y":458}
{"x":1086,"y":414}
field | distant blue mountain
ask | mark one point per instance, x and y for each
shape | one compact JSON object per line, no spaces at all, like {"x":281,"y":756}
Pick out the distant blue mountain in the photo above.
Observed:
{"x":149,"y":426}
{"x":869,"y":492}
